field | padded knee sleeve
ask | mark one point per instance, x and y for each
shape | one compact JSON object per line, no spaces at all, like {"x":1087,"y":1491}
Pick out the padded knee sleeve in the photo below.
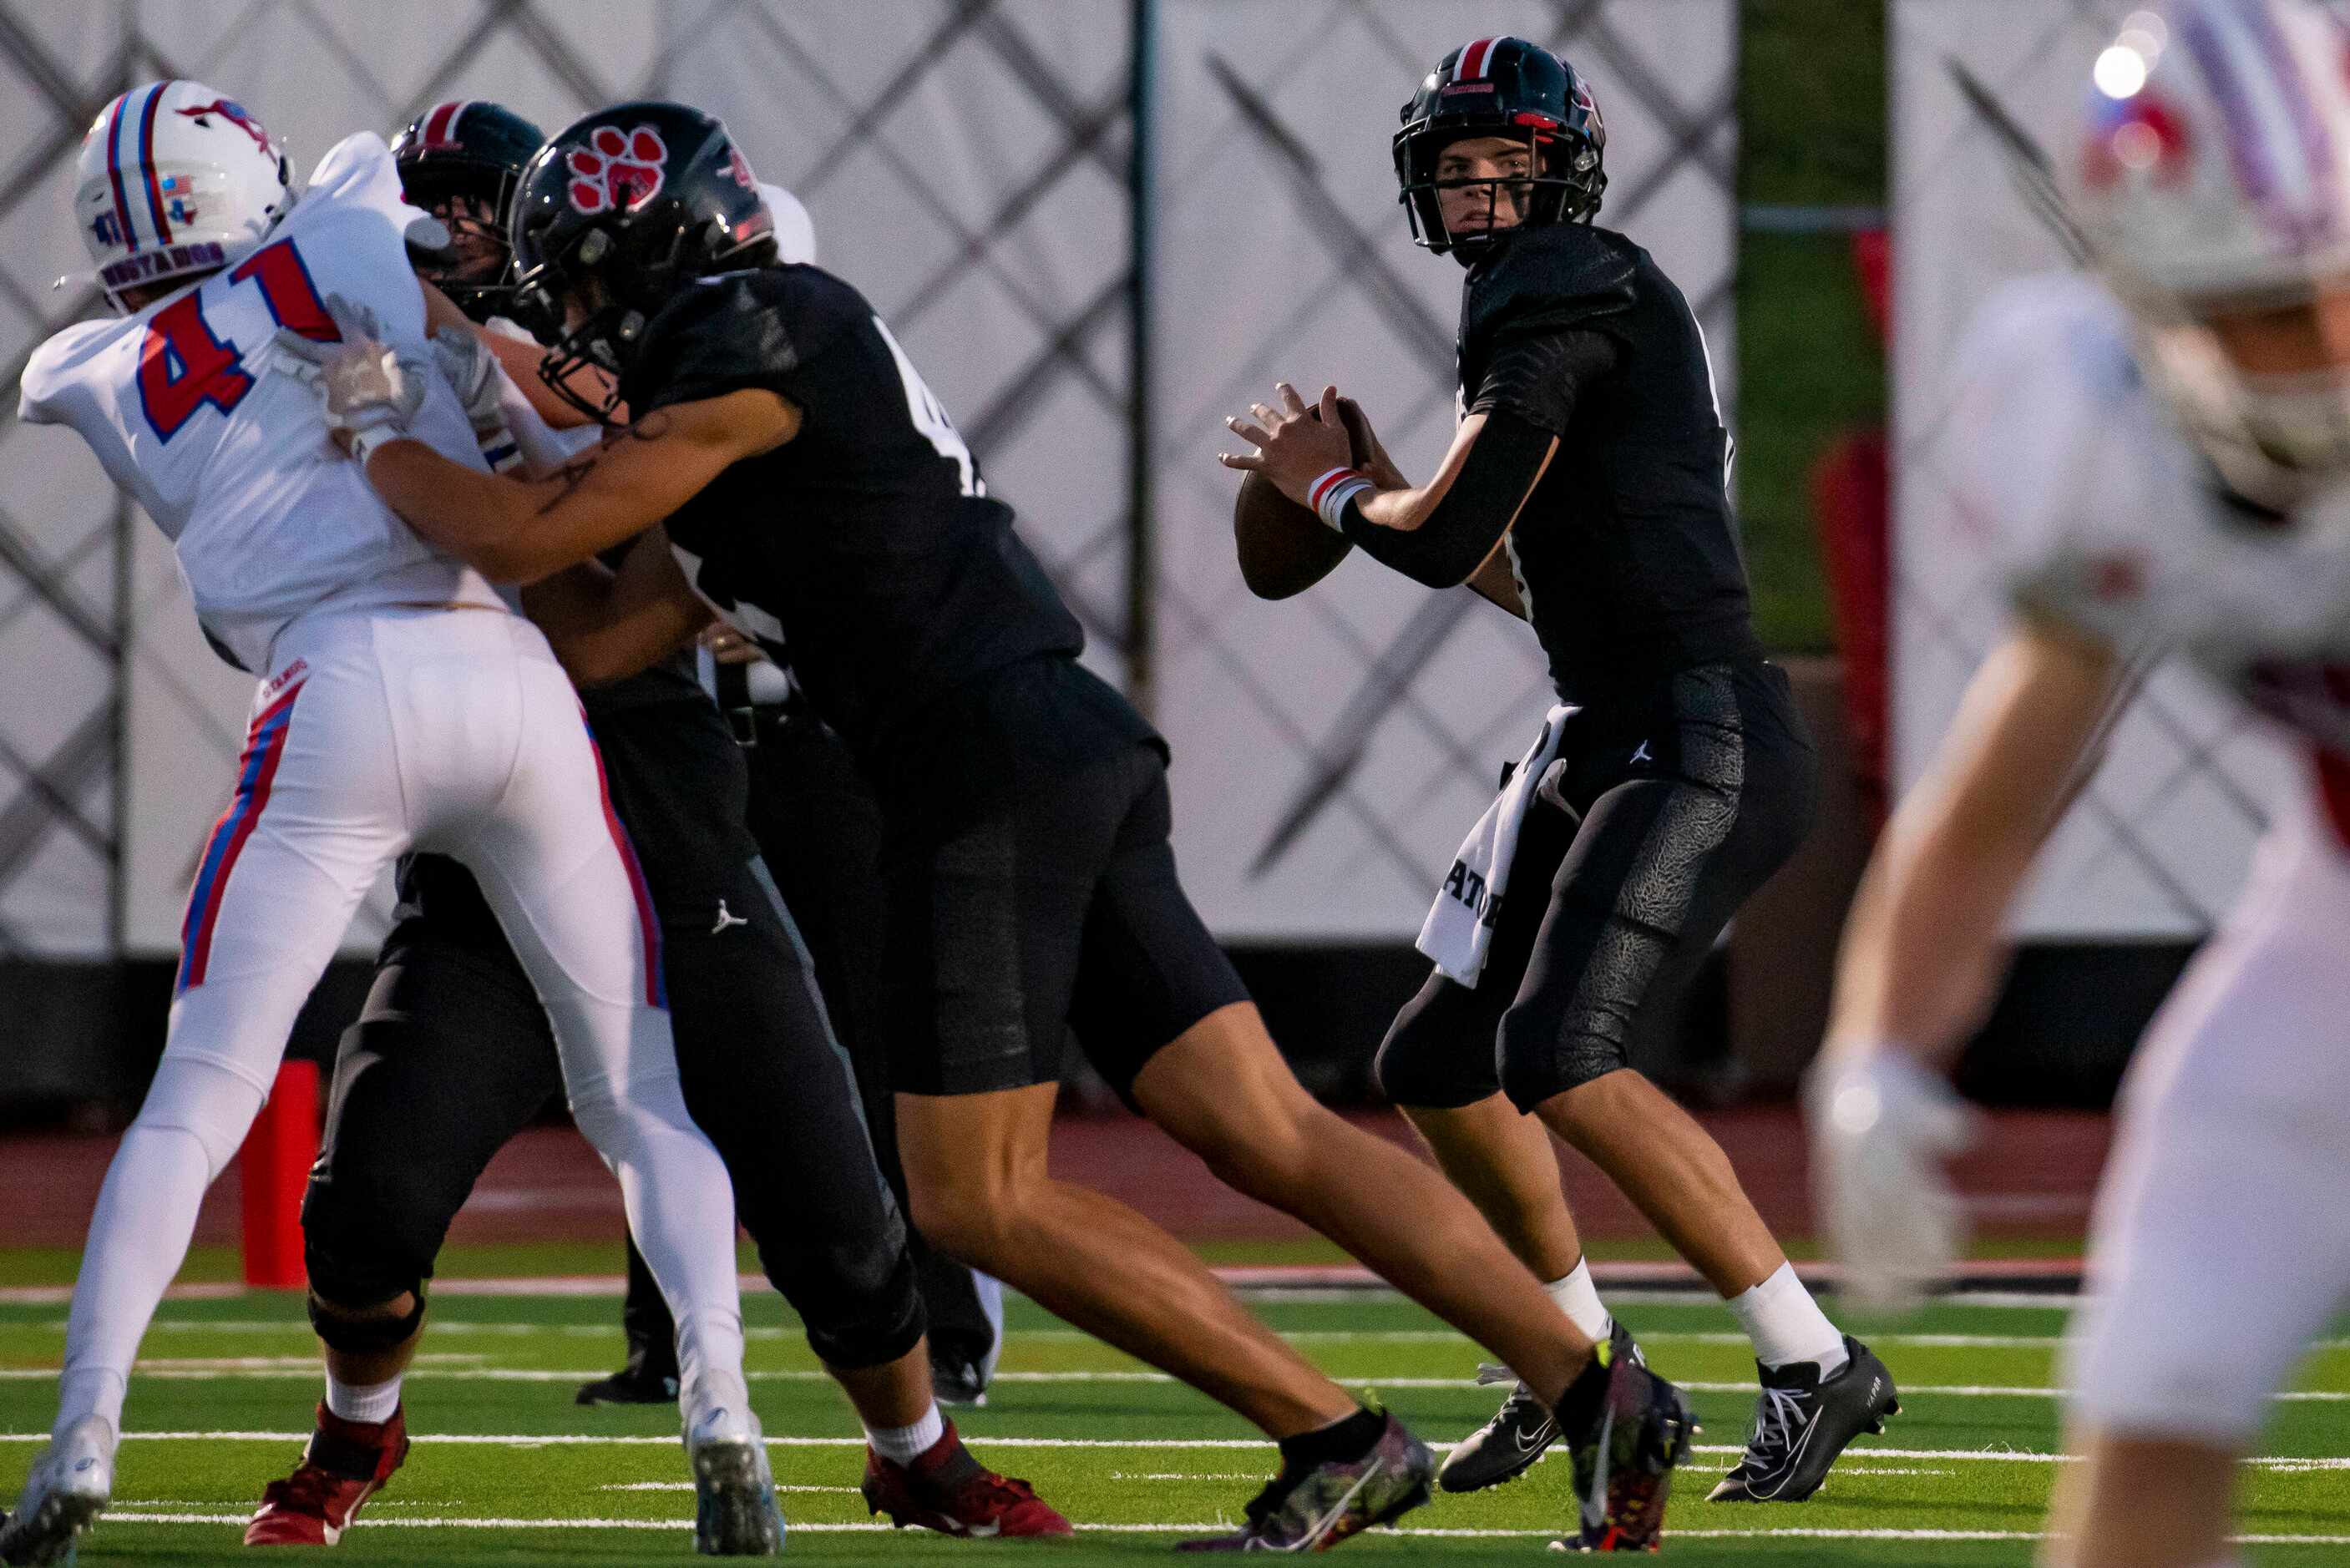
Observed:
{"x":367,"y":1238}
{"x":1539,"y":1060}
{"x":1431,"y":1059}
{"x":856,"y":1294}
{"x":364,"y":1335}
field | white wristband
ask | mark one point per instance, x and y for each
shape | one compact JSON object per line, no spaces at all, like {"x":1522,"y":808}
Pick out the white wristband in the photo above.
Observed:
{"x":364,"y":441}
{"x":1330,"y":493}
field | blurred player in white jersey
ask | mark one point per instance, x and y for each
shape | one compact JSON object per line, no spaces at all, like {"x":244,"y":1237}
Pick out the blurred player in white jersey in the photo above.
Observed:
{"x":2162,"y":454}
{"x":402,"y":704}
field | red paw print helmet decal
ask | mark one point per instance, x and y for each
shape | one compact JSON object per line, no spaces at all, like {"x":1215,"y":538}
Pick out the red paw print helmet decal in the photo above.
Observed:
{"x":617,"y":169}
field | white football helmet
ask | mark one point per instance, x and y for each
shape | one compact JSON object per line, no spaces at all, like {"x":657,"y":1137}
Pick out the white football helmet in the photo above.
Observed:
{"x":176,"y":177}
{"x":2216,"y":178}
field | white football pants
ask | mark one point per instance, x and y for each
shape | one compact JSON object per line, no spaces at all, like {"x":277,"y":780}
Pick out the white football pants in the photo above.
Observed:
{"x":2221,"y":1239}
{"x":379,"y":731}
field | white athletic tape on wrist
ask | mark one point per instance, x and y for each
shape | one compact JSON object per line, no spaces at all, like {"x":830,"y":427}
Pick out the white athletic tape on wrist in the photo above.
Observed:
{"x":1330,"y":493}
{"x":364,"y":441}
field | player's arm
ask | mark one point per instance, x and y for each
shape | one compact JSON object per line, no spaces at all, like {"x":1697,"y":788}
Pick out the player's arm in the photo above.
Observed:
{"x":519,"y":531}
{"x":1444,"y":531}
{"x":1925,"y":943}
{"x":1494,"y":582}
{"x":1440,"y":533}
{"x":606,"y":625}
{"x":1922,"y":952}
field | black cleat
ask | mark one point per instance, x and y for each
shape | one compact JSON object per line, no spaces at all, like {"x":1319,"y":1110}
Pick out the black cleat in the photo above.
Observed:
{"x":1314,"y":1511}
{"x":635,"y":1384}
{"x":1507,"y":1447}
{"x":955,"y":1381}
{"x":1624,"y":1463}
{"x":1803,"y":1422}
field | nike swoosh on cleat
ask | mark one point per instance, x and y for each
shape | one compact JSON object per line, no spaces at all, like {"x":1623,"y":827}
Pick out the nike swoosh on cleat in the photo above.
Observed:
{"x":1528,"y":1442}
{"x":1329,"y":1520}
{"x":1594,"y":1507}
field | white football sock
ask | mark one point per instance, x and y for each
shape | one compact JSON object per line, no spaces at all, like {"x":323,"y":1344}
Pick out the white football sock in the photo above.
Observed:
{"x":194,"y":1115}
{"x":368,"y":1402}
{"x":904,"y":1445}
{"x":1787,"y":1326}
{"x":1579,"y":1300}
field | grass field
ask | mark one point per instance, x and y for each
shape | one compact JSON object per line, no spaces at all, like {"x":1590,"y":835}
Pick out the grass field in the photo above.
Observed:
{"x":507,"y":1470}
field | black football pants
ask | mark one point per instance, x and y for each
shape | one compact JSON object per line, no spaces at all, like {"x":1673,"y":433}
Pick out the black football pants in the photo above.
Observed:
{"x":1665,"y":814}
{"x":819,"y":830}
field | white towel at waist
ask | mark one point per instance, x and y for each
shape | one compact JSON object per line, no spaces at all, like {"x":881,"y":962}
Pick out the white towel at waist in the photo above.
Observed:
{"x":1460,"y":927}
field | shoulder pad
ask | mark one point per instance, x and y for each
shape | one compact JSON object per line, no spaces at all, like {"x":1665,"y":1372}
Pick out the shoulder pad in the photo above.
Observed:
{"x":738,"y":329}
{"x":359,"y":163}
{"x":1552,"y":276}
{"x":48,"y":375}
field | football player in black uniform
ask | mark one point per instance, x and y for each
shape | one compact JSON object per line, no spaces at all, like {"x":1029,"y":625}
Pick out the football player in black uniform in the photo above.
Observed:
{"x":1586,"y":491}
{"x":819,"y":830}
{"x":452,"y":1056}
{"x":820,"y":492}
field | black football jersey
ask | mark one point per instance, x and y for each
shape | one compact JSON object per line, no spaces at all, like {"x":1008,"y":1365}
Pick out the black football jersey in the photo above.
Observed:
{"x":867,"y":544}
{"x":1627,"y":552}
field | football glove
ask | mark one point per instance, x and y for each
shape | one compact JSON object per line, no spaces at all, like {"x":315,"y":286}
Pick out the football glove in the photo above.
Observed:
{"x":469,"y":366}
{"x":1881,"y":1124}
{"x":369,"y":389}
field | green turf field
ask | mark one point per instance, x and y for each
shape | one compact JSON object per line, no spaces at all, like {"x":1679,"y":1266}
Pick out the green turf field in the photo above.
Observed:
{"x":506,"y":1469}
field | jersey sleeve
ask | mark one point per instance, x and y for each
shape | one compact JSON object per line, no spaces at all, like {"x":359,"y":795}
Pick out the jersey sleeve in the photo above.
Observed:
{"x":2062,"y":467}
{"x":1539,"y":373}
{"x":52,"y":388}
{"x":1548,"y":279}
{"x":351,"y":229}
{"x":358,"y":171}
{"x":743,"y":330}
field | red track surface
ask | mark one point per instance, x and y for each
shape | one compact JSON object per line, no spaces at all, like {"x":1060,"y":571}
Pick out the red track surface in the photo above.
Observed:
{"x":2032,"y":1176}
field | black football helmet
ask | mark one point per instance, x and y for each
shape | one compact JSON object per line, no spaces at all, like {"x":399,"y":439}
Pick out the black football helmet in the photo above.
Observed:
{"x":476,"y":150}
{"x":1503,"y":87}
{"x":615,"y":215}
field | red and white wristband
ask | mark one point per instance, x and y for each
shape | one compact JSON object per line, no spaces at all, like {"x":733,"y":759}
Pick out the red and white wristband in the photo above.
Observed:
{"x":1328,"y":495}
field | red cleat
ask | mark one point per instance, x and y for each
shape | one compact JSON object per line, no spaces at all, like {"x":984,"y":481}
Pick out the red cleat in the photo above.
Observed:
{"x":344,"y":1464}
{"x":948,"y":1490}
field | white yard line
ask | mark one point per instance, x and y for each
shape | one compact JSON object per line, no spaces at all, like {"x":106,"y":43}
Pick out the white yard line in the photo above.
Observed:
{"x":460,"y":1368}
{"x":2287,"y":1464}
{"x":688,"y":1486}
{"x":1248,"y":1283}
{"x":126,"y":1516}
{"x":611,"y":1331}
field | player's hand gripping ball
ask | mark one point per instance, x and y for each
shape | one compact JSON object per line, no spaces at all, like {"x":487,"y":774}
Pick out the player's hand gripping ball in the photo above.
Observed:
{"x":1284,"y":547}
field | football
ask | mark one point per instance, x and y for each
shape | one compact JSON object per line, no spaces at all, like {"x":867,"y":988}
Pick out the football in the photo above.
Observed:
{"x":1284,"y":547}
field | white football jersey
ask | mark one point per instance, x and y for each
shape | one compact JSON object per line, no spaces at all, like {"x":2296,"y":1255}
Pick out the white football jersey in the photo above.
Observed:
{"x":2098,"y":511}
{"x":267,"y":518}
